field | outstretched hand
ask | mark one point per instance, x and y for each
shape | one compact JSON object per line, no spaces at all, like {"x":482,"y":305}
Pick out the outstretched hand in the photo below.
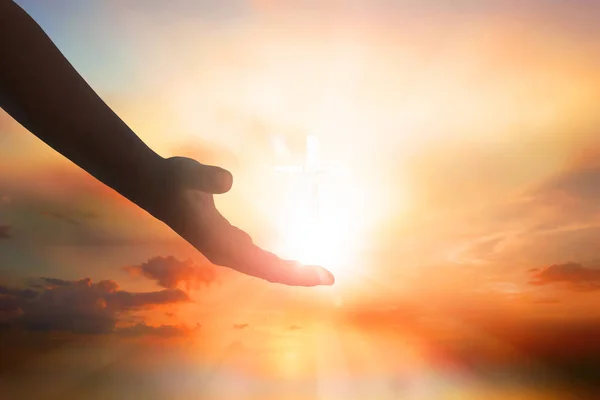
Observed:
{"x":42,"y":90}
{"x":182,"y":197}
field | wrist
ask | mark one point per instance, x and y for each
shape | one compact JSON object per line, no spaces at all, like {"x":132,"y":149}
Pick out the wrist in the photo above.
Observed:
{"x":138,"y":177}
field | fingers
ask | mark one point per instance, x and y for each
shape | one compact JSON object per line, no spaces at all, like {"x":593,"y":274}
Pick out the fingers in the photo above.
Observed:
{"x":224,"y":244}
{"x":212,"y":179}
{"x":294,"y":274}
{"x":233,"y":248}
{"x":206,"y":178}
{"x":259,"y":263}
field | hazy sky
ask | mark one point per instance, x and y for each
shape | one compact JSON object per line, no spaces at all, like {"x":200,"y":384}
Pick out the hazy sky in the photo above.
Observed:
{"x":464,"y":236}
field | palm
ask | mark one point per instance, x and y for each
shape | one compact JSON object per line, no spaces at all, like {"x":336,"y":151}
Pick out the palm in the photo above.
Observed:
{"x":192,"y":214}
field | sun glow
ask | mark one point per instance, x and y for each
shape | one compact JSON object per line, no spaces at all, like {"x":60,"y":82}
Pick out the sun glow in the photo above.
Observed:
{"x":331,"y":237}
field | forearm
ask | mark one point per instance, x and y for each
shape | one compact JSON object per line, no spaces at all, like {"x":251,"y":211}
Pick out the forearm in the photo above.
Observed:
{"x":42,"y":91}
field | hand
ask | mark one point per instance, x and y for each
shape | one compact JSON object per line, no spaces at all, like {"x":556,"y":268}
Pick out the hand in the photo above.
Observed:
{"x":57,"y":105}
{"x":181,"y":196}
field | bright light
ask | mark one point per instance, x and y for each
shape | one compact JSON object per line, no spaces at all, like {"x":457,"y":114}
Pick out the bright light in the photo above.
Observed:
{"x":329,"y":238}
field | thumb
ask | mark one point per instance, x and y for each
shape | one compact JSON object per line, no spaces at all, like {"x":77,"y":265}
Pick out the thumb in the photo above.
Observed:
{"x":206,"y":178}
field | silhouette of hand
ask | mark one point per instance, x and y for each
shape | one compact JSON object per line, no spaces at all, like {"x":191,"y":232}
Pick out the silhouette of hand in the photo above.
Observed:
{"x":57,"y":105}
{"x":183,"y":198}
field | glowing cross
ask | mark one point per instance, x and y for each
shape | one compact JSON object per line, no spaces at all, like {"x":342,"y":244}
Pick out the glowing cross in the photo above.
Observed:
{"x":310,"y":169}
{"x":312,"y":238}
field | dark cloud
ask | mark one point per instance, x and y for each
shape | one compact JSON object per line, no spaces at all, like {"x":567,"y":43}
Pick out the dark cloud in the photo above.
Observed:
{"x":169,"y":272}
{"x":60,"y":217}
{"x":76,"y":306}
{"x":76,"y":218}
{"x":130,"y":300}
{"x":572,"y":274}
{"x":165,"y":331}
{"x":51,"y":281}
{"x":547,"y":339}
{"x":492,"y":342}
{"x":5,"y":232}
{"x":566,"y":198}
{"x":564,"y":350}
{"x":240,"y":326}
{"x":581,"y":182}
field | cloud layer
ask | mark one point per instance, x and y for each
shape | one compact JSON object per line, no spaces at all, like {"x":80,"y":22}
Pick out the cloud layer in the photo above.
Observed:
{"x":5,"y":232}
{"x":572,"y":274}
{"x":169,"y":272}
{"x":80,"y":306}
{"x":165,"y":331}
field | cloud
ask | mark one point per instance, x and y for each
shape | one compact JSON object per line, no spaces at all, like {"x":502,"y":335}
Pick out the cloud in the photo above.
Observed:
{"x":240,"y":326}
{"x":5,"y":232}
{"x":294,"y":328}
{"x":170,"y":273}
{"x":60,"y":217}
{"x":573,"y":274}
{"x":62,"y":205}
{"x":552,"y":220}
{"x":582,"y":182}
{"x":69,"y":219}
{"x":165,"y":331}
{"x":491,"y":340}
{"x":81,"y":306}
{"x":570,"y":197}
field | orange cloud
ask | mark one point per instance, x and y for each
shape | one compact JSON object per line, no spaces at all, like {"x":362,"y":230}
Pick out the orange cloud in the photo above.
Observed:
{"x":573,"y":274}
{"x":170,"y":272}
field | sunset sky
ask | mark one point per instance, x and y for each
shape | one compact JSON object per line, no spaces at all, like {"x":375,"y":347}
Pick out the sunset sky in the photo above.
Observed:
{"x":464,"y":235}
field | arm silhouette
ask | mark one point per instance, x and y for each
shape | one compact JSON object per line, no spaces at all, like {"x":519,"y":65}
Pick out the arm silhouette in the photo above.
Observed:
{"x":42,"y":91}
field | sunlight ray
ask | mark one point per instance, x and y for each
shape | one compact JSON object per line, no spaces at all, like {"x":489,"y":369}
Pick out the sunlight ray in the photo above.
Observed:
{"x":332,"y":372}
